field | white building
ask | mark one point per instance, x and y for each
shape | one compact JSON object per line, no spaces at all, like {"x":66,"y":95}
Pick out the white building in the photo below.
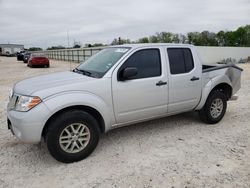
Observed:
{"x":10,"y":49}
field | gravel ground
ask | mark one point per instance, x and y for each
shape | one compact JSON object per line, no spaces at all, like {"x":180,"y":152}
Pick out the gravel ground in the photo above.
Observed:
{"x":178,"y":151}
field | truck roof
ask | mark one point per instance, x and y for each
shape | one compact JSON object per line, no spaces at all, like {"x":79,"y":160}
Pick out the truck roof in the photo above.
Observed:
{"x":154,"y":45}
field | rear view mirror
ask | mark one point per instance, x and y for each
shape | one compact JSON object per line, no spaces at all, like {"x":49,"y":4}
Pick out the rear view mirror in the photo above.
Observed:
{"x":128,"y":73}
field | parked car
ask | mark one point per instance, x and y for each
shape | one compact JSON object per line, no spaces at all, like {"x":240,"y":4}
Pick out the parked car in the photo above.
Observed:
{"x":38,"y":60}
{"x":118,"y":86}
{"x":19,"y":55}
{"x":26,"y":57}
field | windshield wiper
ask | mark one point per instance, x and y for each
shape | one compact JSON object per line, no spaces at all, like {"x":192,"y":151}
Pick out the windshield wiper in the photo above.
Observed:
{"x":84,"y":72}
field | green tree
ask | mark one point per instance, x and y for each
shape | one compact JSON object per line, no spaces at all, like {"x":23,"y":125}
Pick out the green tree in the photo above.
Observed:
{"x":119,"y":40}
{"x":165,"y":37}
{"x":35,"y":49}
{"x":241,"y":36}
{"x":247,"y":28}
{"x":179,"y":38}
{"x":77,"y":46}
{"x":115,"y":41}
{"x":194,"y":38}
{"x":208,"y":39}
{"x":182,"y":38}
{"x":56,"y":47}
{"x":176,"y":38}
{"x":144,"y":40}
{"x":153,"y":39}
{"x":230,"y":38}
{"x":220,"y":37}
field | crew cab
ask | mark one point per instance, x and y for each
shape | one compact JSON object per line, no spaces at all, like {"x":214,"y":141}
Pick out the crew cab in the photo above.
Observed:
{"x":118,"y":86}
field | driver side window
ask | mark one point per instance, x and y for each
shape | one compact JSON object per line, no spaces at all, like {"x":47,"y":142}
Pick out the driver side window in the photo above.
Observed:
{"x":147,"y":62}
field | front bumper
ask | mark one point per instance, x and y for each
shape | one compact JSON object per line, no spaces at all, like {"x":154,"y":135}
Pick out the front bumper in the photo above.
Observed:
{"x":28,"y":126}
{"x":39,"y":63}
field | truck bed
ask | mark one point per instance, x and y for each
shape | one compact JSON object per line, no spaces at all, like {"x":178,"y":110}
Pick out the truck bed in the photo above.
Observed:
{"x":208,"y":68}
{"x":230,"y":72}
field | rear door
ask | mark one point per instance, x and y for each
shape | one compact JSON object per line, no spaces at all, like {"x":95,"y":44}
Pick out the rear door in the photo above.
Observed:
{"x":141,"y":97}
{"x":184,"y":80}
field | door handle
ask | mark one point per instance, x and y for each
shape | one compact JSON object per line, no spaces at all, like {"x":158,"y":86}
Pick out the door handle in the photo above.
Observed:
{"x":160,"y":83}
{"x":194,"y":78}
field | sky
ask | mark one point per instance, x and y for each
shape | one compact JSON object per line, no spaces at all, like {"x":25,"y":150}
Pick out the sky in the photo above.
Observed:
{"x":44,"y":23}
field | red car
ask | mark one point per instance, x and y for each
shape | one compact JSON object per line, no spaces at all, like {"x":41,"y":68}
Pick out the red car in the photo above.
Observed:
{"x":38,"y":60}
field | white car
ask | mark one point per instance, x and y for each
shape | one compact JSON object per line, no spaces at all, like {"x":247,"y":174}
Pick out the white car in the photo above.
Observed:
{"x":118,"y":86}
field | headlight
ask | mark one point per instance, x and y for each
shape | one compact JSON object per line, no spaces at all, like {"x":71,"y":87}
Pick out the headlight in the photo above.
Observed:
{"x":25,"y":103}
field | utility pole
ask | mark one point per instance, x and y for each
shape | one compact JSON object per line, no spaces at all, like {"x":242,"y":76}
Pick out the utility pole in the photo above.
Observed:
{"x":119,"y":41}
{"x":68,"y":37}
{"x":68,"y":48}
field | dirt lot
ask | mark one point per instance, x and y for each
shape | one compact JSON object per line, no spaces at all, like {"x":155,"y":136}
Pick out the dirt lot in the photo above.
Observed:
{"x":179,"y":151}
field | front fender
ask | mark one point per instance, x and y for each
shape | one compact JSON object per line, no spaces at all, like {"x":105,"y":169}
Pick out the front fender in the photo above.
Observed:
{"x":210,"y":86}
{"x":63,"y":100}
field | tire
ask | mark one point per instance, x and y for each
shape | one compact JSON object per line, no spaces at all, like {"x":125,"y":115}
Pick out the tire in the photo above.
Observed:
{"x":57,"y":131}
{"x":210,"y":116}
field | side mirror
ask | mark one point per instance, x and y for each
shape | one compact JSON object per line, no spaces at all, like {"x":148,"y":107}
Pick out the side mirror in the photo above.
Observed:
{"x":128,"y":73}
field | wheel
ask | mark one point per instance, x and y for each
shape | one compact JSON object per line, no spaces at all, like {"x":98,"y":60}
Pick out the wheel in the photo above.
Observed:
{"x":72,"y":136}
{"x":46,"y":66}
{"x":214,"y":109}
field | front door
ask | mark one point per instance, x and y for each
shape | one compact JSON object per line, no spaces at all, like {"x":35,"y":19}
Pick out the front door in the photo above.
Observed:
{"x":141,"y":97}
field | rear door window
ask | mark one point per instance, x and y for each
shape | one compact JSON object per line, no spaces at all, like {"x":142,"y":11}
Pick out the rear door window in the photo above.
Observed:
{"x":180,"y":60}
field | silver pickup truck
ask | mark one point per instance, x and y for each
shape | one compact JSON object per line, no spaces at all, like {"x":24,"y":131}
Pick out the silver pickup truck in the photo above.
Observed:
{"x":118,"y":86}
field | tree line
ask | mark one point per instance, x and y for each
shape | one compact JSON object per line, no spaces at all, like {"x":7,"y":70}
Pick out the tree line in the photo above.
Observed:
{"x":240,"y":37}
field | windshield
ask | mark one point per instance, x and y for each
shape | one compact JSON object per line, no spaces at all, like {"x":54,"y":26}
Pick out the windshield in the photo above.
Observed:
{"x":100,"y":63}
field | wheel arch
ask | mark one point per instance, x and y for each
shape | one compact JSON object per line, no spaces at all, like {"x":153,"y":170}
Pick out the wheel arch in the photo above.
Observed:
{"x":92,"y":111}
{"x":224,"y":87}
